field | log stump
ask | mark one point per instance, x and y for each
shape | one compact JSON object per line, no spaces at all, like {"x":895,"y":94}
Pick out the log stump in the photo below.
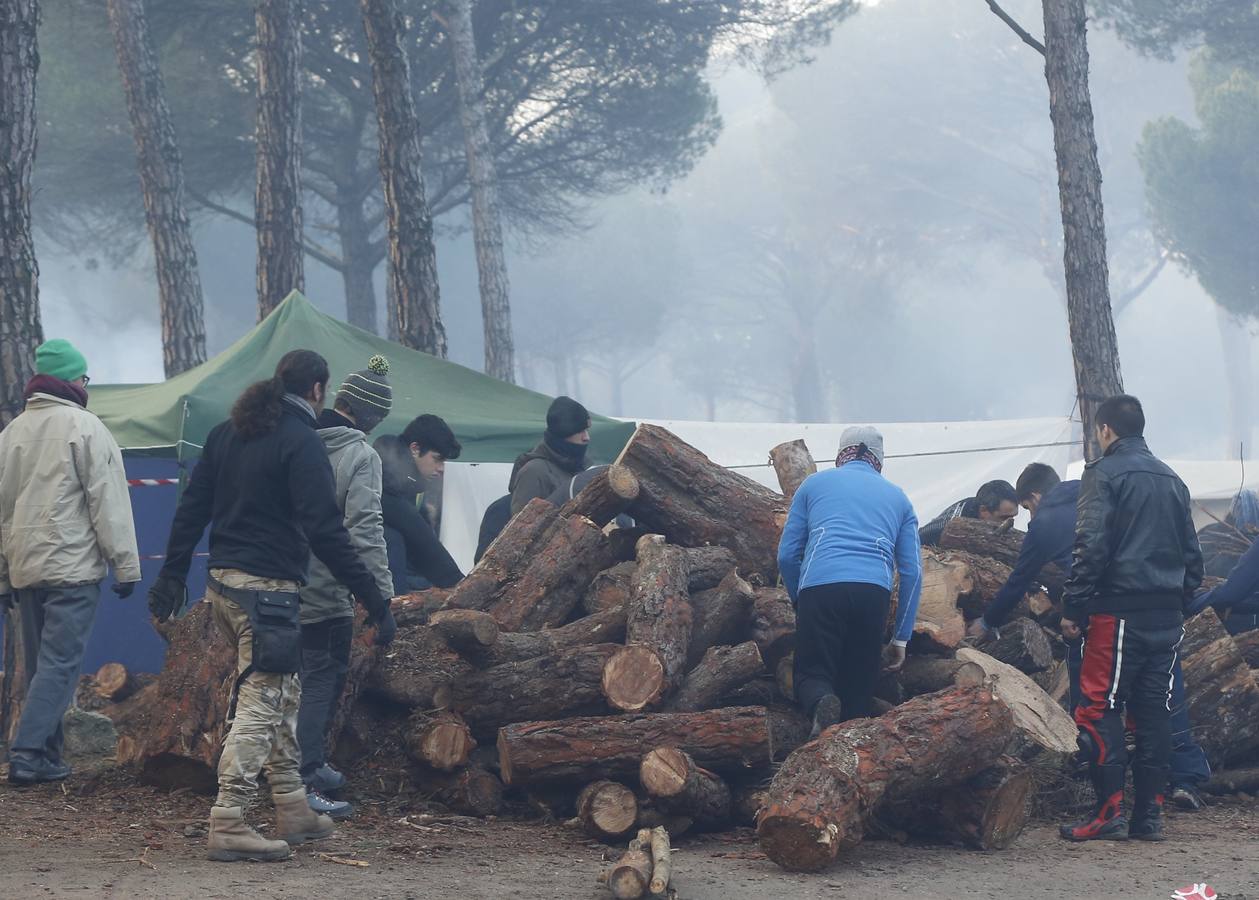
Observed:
{"x":792,"y":463}
{"x":820,"y":798}
{"x":440,"y":740}
{"x":693,"y":501}
{"x":466,"y":630}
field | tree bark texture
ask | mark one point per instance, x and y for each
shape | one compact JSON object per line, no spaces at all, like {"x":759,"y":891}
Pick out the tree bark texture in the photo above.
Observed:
{"x":1221,"y":691}
{"x":1248,"y":643}
{"x":20,"y":328}
{"x":987,"y":539}
{"x":471,"y":792}
{"x":725,"y":740}
{"x":565,"y":683}
{"x":773,"y":624}
{"x":161,"y":170}
{"x":721,"y":670}
{"x":487,"y":221}
{"x":278,"y":200}
{"x":793,"y":463}
{"x":1094,"y":346}
{"x":1021,"y":643}
{"x":469,"y":631}
{"x":610,"y":589}
{"x":607,"y":627}
{"x":415,"y":298}
{"x":605,"y":497}
{"x":707,"y":567}
{"x":1040,"y":723}
{"x":820,"y":798}
{"x":939,"y":626}
{"x":721,"y":616}
{"x":509,"y":554}
{"x":926,"y":675}
{"x":417,"y":668}
{"x":692,"y":501}
{"x":986,"y":577}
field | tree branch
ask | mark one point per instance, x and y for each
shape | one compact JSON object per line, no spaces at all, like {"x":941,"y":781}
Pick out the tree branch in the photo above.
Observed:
{"x":1016,"y":27}
{"x":1132,"y":293}
{"x":313,"y":250}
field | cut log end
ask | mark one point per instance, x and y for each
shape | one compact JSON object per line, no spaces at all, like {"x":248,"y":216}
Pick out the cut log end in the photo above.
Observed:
{"x":623,"y":483}
{"x":796,"y":845}
{"x":465,"y":629}
{"x":631,"y":876}
{"x":664,"y":772}
{"x":634,"y":678}
{"x":114,"y":682}
{"x":1006,"y":813}
{"x":607,"y":810}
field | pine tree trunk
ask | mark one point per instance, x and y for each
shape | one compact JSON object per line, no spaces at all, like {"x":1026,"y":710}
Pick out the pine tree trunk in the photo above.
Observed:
{"x":487,"y":225}
{"x":1093,"y":343}
{"x":162,"y":183}
{"x":278,"y":201}
{"x":415,"y":302}
{"x":359,"y":259}
{"x":20,"y":328}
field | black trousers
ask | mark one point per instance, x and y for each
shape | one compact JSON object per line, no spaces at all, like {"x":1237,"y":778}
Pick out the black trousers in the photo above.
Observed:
{"x":325,"y":663}
{"x":839,"y":644}
{"x":1129,"y":664}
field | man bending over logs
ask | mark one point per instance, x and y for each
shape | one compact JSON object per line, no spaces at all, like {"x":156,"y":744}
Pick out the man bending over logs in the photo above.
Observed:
{"x":847,"y":527}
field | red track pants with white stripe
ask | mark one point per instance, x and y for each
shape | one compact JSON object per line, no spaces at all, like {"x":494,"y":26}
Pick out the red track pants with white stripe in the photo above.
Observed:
{"x":1128,"y":660}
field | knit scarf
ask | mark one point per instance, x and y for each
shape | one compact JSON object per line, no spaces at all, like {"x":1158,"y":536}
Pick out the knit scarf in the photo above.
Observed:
{"x":858,"y":452}
{"x":573,"y":454}
{"x":56,"y":387}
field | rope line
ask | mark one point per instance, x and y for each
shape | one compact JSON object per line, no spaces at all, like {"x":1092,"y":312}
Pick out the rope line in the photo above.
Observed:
{"x":927,"y":453}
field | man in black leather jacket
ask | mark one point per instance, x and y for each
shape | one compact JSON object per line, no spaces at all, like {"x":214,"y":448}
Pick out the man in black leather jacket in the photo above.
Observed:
{"x":1135,"y":566}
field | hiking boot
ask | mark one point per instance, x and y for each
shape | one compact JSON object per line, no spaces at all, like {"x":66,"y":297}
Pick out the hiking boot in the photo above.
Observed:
{"x":36,"y":770}
{"x":1107,"y":822}
{"x":296,"y":822}
{"x":828,"y":712}
{"x":325,"y":779}
{"x":231,"y":840}
{"x":1148,"y":785}
{"x":1186,"y":797}
{"x":336,"y":810}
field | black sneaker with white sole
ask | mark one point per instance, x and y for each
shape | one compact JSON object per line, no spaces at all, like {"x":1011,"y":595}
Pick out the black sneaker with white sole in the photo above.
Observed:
{"x":1186,"y":797}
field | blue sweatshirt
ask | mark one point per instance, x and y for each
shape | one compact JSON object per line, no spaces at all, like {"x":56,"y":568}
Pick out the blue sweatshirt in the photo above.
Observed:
{"x":1239,"y":594}
{"x":1050,"y":538}
{"x":852,"y":525}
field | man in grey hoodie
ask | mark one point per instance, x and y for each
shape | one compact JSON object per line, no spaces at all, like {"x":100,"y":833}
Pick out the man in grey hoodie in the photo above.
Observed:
{"x":327,"y":609}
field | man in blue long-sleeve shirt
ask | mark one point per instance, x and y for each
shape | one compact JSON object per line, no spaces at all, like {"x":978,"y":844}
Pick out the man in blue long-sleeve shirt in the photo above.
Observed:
{"x":849,"y":527}
{"x":1238,"y":596}
{"x":1050,"y":537}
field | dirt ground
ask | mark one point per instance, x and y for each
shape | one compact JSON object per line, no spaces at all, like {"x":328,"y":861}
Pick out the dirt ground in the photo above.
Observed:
{"x":101,"y":836}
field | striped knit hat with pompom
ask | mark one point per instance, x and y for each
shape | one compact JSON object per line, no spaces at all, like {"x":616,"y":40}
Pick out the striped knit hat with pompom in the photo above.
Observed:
{"x":368,"y":394}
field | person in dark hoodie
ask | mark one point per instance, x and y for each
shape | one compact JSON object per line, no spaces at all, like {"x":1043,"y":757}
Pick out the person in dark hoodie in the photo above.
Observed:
{"x":552,"y":464}
{"x":265,"y":483}
{"x":417,"y":558}
{"x":327,"y":615}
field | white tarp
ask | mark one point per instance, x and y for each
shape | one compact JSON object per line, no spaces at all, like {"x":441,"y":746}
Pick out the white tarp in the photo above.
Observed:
{"x":1212,"y":483}
{"x":936,"y":463}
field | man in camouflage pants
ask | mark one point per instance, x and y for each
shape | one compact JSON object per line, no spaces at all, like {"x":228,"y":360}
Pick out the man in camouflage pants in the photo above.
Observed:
{"x":265,"y":481}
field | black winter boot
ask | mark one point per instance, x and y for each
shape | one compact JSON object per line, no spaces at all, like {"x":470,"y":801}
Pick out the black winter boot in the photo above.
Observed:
{"x":1148,"y":785}
{"x":828,"y":712}
{"x":1108,"y":822}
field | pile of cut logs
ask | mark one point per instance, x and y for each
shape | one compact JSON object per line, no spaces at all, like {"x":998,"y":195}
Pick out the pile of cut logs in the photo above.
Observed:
{"x":635,"y":678}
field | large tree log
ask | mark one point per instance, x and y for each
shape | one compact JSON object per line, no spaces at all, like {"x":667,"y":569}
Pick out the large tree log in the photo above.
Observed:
{"x":1040,"y":723}
{"x":986,"y":577}
{"x":567,"y":682}
{"x":471,"y":792}
{"x":721,"y":670}
{"x":940,"y":625}
{"x":707,"y":567}
{"x":820,"y":798}
{"x":607,"y":810}
{"x":1021,"y":643}
{"x":1221,"y":691}
{"x":416,"y":668}
{"x":680,"y":786}
{"x":416,"y":607}
{"x":792,"y":463}
{"x":926,"y":675}
{"x":1233,"y":781}
{"x":176,"y":735}
{"x":693,"y":501}
{"x":773,"y":624}
{"x":1248,"y":643}
{"x":604,"y":497}
{"x":658,"y":626}
{"x":365,"y":657}
{"x":466,"y":630}
{"x":985,"y":812}
{"x":607,"y":627}
{"x":511,"y":553}
{"x":610,"y":589}
{"x":613,"y":746}
{"x":440,"y":740}
{"x":721,"y":616}
{"x":1001,"y":544}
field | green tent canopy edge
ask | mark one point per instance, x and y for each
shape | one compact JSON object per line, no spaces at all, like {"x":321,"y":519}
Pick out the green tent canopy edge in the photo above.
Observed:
{"x":493,"y":420}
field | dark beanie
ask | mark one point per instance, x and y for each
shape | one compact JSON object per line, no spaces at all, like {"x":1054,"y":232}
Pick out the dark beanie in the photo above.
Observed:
{"x":566,"y":417}
{"x":368,"y":394}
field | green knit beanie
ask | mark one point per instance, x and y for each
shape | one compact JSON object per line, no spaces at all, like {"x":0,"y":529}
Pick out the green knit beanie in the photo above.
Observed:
{"x":59,"y":359}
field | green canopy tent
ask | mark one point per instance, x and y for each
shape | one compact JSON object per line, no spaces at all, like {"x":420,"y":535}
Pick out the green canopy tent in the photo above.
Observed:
{"x":493,"y":420}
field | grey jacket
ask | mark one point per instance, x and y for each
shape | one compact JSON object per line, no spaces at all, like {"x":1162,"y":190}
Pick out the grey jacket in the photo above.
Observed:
{"x":540,"y":473}
{"x":358,"y":474}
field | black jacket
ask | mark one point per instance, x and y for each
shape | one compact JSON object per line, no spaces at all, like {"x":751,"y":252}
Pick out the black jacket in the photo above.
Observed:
{"x":271,"y":501}
{"x":1135,"y":544}
{"x":399,"y":498}
{"x":929,"y":535}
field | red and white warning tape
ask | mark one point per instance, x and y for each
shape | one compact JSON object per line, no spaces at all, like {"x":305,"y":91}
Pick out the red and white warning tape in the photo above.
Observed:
{"x":151,"y":482}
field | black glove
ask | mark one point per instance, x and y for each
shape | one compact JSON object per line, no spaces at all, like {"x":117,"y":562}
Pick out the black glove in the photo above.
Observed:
{"x":8,"y":601}
{"x":167,"y":597}
{"x":125,"y":589}
{"x":386,"y":629}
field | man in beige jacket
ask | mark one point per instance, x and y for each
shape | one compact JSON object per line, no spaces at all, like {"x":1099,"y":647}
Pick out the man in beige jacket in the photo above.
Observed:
{"x":65,"y":519}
